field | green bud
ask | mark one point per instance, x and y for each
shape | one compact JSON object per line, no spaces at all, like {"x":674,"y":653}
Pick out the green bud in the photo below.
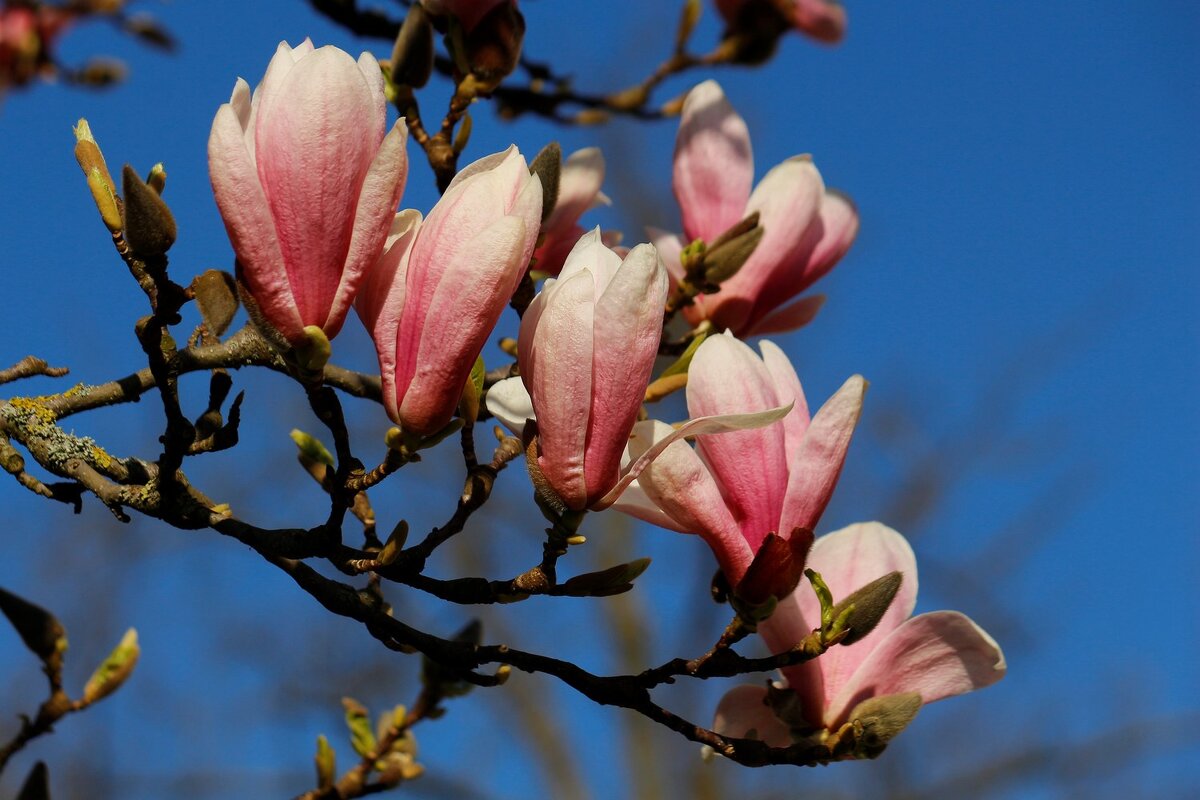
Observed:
{"x":326,"y":761}
{"x":358,"y":720}
{"x":37,"y":784}
{"x":865,"y":607}
{"x":824,"y":597}
{"x":463,"y":135}
{"x":468,"y":406}
{"x":157,"y":179}
{"x":40,"y":630}
{"x":313,"y":353}
{"x":393,"y":546}
{"x":99,"y":180}
{"x":725,"y":256}
{"x":114,"y":670}
{"x":547,"y":165}
{"x":149,"y":224}
{"x":882,"y":719}
{"x":311,"y":447}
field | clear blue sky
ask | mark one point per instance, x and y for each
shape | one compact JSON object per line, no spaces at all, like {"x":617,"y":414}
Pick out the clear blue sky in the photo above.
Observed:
{"x":1022,"y":297}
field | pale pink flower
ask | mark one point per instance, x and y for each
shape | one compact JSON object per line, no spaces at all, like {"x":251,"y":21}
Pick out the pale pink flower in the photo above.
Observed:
{"x":935,"y":655}
{"x":307,"y":183}
{"x":579,"y":185}
{"x":806,"y":228}
{"x":735,"y":488}
{"x":27,"y":36}
{"x":823,"y":20}
{"x":586,"y":350}
{"x":436,"y":293}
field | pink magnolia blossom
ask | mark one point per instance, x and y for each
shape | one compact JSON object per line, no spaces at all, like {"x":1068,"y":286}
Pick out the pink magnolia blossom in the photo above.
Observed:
{"x":578,"y":191}
{"x":935,"y":655}
{"x":736,"y":488}
{"x":586,"y":349}
{"x":26,"y":38}
{"x":436,"y":293}
{"x":468,"y":12}
{"x":806,"y":228}
{"x":823,"y":20}
{"x":307,"y":183}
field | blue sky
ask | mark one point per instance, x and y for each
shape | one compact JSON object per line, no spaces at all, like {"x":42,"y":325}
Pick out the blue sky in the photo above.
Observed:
{"x":1021,"y":297}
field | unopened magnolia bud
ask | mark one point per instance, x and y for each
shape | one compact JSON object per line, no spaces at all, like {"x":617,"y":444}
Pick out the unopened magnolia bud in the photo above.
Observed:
{"x":547,"y":165}
{"x":216,"y":295}
{"x":688,"y":18}
{"x":882,"y":719}
{"x":37,"y":784}
{"x":99,"y":181}
{"x":40,"y":630}
{"x":867,"y":606}
{"x":468,"y":406}
{"x":149,"y":225}
{"x":358,"y":720}
{"x":313,"y":353}
{"x":326,"y":762}
{"x":311,"y":447}
{"x":493,"y":47}
{"x":157,"y":179}
{"x":607,"y":582}
{"x":395,"y":543}
{"x":412,"y":56}
{"x":722,"y":262}
{"x":114,"y":670}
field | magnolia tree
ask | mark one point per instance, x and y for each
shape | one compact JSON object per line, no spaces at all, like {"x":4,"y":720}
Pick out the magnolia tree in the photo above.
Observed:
{"x":309,"y":177}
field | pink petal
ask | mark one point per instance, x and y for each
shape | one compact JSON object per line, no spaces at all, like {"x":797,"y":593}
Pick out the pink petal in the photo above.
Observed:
{"x":796,"y":617}
{"x":679,"y":484}
{"x":628,"y":328}
{"x":750,"y":466}
{"x":636,"y":503}
{"x":839,"y":226}
{"x":669,"y":249}
{"x":248,"y":221}
{"x":743,"y":713}
{"x":790,"y":317}
{"x":721,"y":423}
{"x":714,"y":167}
{"x":578,"y":188}
{"x":312,"y":160}
{"x":938,"y":655}
{"x":823,"y":20}
{"x":376,"y":209}
{"x":787,"y":387}
{"x":561,"y":383}
{"x":452,"y":330}
{"x":848,"y":560}
{"x":380,"y":303}
{"x":788,"y":200}
{"x":814,"y":468}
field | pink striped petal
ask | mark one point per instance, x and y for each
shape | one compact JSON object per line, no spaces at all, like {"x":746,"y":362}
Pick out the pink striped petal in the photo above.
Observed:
{"x":937,"y":655}
{"x":669,"y":249}
{"x":790,"y":317}
{"x":561,"y":383}
{"x":750,"y":466}
{"x":248,"y":221}
{"x":636,"y":503}
{"x":814,"y":468}
{"x":679,"y":484}
{"x":578,"y":188}
{"x":787,"y":387}
{"x":308,"y":153}
{"x":628,"y":328}
{"x":375,"y":211}
{"x":743,"y":713}
{"x":457,"y":323}
{"x":714,"y":166}
{"x":380,"y":302}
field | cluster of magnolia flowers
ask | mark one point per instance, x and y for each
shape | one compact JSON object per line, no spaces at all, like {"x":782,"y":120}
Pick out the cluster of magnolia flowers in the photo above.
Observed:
{"x":308,"y":180}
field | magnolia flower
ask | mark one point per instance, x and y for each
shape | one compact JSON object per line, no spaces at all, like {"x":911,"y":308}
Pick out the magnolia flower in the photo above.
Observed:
{"x":307,"y":184}
{"x":806,"y":228}
{"x":578,"y":190}
{"x":439,"y":288}
{"x":27,"y":36}
{"x":755,"y":496}
{"x":927,"y":657}
{"x":586,"y":349}
{"x":823,"y":20}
